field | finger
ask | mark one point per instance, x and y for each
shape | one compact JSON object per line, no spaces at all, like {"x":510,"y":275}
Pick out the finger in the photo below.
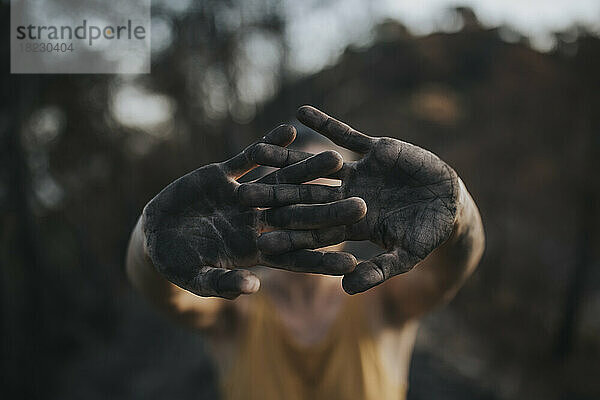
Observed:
{"x":377,"y":270}
{"x":278,"y":242}
{"x":242,"y":163}
{"x":319,"y":262}
{"x":263,"y":195}
{"x":277,"y":156}
{"x":280,"y":157}
{"x":225,"y":283}
{"x":339,"y":133}
{"x":300,"y":216}
{"x":340,"y":174}
{"x":314,"y":167}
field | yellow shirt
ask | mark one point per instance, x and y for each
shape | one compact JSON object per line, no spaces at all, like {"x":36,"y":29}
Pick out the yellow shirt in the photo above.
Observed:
{"x":271,"y":365}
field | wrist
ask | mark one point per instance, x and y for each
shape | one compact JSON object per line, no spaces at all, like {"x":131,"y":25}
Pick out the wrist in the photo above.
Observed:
{"x":466,"y":216}
{"x":467,"y":237}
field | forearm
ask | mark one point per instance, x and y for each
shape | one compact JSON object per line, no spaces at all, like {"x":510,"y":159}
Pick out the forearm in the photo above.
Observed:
{"x":458,"y":257}
{"x":183,"y":306}
{"x":437,"y":278}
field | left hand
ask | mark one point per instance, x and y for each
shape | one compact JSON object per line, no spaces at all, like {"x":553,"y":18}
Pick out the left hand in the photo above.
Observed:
{"x":204,"y":226}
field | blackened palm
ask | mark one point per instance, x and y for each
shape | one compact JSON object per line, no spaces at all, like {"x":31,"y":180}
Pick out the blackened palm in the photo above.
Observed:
{"x":411,"y":198}
{"x":200,"y":228}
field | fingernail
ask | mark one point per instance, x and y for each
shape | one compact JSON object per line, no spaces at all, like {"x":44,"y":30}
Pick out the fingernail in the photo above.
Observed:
{"x":250,"y":284}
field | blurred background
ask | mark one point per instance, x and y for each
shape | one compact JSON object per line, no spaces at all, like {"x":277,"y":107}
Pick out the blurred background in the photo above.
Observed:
{"x":507,"y":92}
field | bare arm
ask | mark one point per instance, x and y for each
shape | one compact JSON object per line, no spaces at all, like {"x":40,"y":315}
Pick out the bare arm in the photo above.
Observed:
{"x":437,"y":278}
{"x":186,"y":308}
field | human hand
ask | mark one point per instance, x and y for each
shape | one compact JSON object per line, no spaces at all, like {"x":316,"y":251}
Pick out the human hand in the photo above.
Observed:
{"x":411,"y":198}
{"x":204,"y":225}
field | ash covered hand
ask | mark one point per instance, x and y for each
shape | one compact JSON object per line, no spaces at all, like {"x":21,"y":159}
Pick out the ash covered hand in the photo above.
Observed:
{"x":411,"y":197}
{"x":205,"y":225}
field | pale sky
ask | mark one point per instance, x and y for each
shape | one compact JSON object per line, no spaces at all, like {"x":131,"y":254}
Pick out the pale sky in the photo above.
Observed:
{"x":319,"y":31}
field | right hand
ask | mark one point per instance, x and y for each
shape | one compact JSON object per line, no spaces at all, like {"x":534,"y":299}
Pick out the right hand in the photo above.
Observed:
{"x":411,"y":194}
{"x":203,"y":226}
